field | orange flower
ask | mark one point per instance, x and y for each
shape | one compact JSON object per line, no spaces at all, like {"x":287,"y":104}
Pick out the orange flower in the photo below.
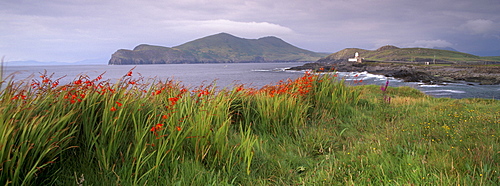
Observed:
{"x":157,"y":92}
{"x":113,"y":109}
{"x":157,"y":127}
{"x":178,"y":128}
{"x":240,"y":88}
{"x":55,"y":84}
{"x":77,"y":82}
{"x":164,"y":117}
{"x":173,"y":100}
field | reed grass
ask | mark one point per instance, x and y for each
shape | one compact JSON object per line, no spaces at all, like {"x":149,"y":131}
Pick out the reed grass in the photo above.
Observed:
{"x":313,"y":130}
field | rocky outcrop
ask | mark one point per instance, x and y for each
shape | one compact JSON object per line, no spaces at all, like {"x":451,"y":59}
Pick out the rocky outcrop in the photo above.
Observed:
{"x":483,"y":75}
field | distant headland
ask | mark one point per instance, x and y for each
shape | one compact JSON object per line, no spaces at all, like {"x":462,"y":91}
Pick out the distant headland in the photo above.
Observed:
{"x":218,"y":48}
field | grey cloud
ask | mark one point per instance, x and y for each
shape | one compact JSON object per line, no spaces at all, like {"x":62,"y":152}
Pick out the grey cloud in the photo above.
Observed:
{"x":79,"y":29}
{"x":479,"y":26}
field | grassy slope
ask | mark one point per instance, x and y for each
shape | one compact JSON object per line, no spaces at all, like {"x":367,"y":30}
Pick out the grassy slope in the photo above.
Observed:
{"x":493,"y":58}
{"x":223,"y":47}
{"x":410,"y":54}
{"x":304,"y":132}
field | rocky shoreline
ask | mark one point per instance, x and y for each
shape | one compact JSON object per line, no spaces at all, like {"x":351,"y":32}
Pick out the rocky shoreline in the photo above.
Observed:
{"x":480,"y":74}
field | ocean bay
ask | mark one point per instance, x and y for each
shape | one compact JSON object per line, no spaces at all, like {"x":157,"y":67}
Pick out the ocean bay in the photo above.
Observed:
{"x":227,"y":74}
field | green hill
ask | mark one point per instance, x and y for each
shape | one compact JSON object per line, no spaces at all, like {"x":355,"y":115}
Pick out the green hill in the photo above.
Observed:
{"x":218,"y":48}
{"x":395,"y":54}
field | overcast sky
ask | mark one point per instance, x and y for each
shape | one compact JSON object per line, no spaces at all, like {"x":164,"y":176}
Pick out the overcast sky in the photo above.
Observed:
{"x":74,"y":30}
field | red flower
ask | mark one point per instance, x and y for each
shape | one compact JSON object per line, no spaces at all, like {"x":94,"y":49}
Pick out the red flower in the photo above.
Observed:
{"x":119,"y":104}
{"x":129,"y":73}
{"x":178,"y":128}
{"x":240,"y":88}
{"x":203,"y":92}
{"x":173,"y":100}
{"x":77,"y":82}
{"x":157,"y":127}
{"x":157,"y":92}
{"x":113,"y":109}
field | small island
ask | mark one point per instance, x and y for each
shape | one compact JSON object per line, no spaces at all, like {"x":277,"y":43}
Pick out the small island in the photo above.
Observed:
{"x":431,"y":66}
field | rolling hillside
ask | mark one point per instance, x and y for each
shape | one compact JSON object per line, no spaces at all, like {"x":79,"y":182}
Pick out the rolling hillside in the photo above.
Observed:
{"x":392,"y":53}
{"x":218,"y":48}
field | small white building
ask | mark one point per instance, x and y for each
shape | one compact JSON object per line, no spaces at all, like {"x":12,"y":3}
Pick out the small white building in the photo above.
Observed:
{"x":356,"y":58}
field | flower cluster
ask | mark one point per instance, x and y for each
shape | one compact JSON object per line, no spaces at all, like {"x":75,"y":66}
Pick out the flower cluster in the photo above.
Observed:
{"x":298,"y":87}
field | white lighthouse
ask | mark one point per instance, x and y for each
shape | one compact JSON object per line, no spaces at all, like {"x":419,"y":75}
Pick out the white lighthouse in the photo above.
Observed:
{"x":356,"y":58}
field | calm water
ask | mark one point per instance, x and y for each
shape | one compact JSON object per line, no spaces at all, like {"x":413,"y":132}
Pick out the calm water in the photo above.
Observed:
{"x":251,"y":74}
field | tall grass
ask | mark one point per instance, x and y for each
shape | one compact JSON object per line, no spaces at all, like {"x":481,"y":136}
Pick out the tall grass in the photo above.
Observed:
{"x":314,"y":130}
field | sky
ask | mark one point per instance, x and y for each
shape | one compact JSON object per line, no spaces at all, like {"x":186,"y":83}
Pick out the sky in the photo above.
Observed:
{"x":76,"y":30}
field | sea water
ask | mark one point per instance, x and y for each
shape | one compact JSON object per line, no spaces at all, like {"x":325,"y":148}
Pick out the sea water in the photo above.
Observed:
{"x":223,"y":75}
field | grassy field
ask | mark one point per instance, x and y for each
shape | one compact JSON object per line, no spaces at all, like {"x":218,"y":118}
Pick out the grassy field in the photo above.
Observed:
{"x":314,"y":130}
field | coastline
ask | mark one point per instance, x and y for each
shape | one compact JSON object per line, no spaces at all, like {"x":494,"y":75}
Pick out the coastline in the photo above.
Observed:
{"x":410,"y":72}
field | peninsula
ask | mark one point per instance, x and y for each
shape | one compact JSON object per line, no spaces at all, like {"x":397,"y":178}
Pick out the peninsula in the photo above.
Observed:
{"x":413,"y":65}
